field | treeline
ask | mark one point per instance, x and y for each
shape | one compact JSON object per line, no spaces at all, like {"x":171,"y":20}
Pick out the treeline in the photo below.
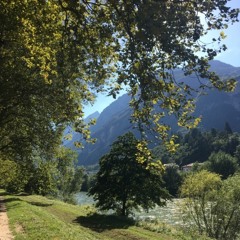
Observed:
{"x":59,"y":176}
{"x":197,"y":145}
{"x":215,"y":151}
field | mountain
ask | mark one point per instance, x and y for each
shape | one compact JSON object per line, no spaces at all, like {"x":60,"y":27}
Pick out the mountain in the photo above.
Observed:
{"x":91,"y":116}
{"x":219,"y":107}
{"x":216,"y":108}
{"x":112,"y":122}
{"x":74,"y":136}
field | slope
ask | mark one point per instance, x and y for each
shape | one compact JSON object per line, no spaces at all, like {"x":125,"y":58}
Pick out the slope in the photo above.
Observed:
{"x":216,"y":108}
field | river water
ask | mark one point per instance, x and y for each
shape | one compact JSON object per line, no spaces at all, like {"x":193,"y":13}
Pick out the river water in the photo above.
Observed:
{"x":169,"y":213}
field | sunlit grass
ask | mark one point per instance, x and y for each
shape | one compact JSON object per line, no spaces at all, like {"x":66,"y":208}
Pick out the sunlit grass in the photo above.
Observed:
{"x":35,"y":217}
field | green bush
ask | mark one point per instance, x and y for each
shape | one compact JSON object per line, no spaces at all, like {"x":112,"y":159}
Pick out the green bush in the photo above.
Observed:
{"x":211,"y":205}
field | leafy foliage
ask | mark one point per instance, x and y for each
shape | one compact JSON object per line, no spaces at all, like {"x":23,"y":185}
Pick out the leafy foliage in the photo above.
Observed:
{"x":212,"y":205}
{"x":7,"y":172}
{"x":69,"y":177}
{"x":59,"y":176}
{"x":55,"y":53}
{"x":222,"y":163}
{"x":42,"y":179}
{"x":123,"y":183}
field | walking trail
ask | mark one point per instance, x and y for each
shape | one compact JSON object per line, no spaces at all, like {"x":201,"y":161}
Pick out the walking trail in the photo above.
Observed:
{"x":5,"y":233}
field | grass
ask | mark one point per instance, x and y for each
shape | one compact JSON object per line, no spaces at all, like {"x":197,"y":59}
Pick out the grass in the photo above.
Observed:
{"x":35,"y":217}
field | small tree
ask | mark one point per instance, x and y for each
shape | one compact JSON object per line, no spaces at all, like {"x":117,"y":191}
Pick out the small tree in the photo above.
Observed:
{"x":59,"y":177}
{"x":212,"y":205}
{"x":69,"y":177}
{"x":42,"y":180}
{"x":127,"y":180}
{"x":228,"y":209}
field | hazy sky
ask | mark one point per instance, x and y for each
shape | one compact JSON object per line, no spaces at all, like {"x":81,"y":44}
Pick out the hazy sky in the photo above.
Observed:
{"x":230,"y":56}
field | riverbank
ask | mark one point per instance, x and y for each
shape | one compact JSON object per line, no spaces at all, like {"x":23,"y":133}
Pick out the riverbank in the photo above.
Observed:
{"x":35,"y":217}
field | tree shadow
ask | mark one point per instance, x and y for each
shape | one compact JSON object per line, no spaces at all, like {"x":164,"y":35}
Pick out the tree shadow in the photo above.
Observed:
{"x":39,"y":204}
{"x":4,"y":201}
{"x":11,"y":199}
{"x":3,"y":193}
{"x":100,"y":223}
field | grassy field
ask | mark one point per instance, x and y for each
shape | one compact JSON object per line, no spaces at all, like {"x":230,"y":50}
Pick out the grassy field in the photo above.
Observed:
{"x":35,"y":217}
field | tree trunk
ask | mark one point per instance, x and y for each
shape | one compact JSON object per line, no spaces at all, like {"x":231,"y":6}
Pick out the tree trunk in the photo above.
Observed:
{"x":124,"y":208}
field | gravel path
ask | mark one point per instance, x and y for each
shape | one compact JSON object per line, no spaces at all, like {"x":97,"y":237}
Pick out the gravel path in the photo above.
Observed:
{"x":5,"y":233}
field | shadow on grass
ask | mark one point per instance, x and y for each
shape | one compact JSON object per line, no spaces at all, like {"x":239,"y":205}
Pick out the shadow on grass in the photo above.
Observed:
{"x":11,"y":199}
{"x":39,"y":204}
{"x":3,"y":193}
{"x":100,"y":223}
{"x":5,"y":201}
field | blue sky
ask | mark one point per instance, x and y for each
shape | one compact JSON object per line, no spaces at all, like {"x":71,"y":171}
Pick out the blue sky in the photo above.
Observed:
{"x":230,"y":56}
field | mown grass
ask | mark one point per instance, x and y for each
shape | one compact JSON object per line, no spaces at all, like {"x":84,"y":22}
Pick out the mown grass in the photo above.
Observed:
{"x":35,"y":217}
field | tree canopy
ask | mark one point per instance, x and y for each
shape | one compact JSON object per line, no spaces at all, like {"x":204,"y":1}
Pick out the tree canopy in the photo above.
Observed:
{"x":124,"y":183}
{"x":56,"y":54}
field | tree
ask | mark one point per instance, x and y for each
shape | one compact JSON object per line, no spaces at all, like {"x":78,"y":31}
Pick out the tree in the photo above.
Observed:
{"x":69,"y":177}
{"x":43,"y":87}
{"x":172,"y":179}
{"x":228,"y":209}
{"x":7,"y":172}
{"x":42,"y":179}
{"x":123,"y":183}
{"x":88,"y":182}
{"x":20,"y":179}
{"x":212,"y":205}
{"x":56,"y":54}
{"x":199,"y":146}
{"x":222,"y":163}
{"x":226,"y":142}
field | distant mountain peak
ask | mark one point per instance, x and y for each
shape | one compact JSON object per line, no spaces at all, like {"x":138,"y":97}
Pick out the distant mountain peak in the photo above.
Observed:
{"x":91,"y":116}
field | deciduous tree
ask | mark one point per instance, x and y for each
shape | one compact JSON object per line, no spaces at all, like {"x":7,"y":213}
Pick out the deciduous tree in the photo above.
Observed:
{"x":123,"y":183}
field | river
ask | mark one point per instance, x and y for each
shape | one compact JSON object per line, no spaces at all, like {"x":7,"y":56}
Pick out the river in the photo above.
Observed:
{"x":169,"y":213}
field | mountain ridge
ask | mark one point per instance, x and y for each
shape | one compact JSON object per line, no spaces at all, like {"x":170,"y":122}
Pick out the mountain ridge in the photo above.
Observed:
{"x":216,"y":108}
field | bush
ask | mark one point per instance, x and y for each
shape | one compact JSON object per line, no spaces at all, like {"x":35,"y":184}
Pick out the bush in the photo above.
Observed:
{"x":212,"y":205}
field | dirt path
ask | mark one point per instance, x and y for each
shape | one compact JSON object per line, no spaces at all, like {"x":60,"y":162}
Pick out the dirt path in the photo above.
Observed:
{"x":5,"y":233}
